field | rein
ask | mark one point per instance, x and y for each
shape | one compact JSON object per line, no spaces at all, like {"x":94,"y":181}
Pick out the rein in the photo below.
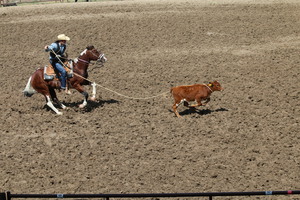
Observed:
{"x":83,"y":61}
{"x":87,"y":62}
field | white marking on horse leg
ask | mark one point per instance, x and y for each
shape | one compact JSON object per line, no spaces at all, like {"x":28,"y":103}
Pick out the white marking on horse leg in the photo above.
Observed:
{"x":93,"y":98}
{"x":63,"y":106}
{"x":86,"y":96}
{"x":49,"y":103}
{"x":84,"y":103}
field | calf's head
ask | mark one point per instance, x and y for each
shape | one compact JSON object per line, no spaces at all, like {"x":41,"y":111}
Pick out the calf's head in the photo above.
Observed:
{"x":215,"y":86}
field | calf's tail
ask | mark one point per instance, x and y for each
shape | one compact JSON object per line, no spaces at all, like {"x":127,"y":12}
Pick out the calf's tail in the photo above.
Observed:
{"x":171,"y":91}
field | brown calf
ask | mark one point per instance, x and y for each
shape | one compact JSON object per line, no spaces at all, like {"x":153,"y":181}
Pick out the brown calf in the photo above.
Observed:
{"x":198,"y":92}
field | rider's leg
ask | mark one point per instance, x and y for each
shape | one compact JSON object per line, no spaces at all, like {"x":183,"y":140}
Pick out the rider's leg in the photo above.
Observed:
{"x":63,"y":75}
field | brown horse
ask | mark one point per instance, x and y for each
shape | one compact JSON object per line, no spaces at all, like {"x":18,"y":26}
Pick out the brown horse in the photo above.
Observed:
{"x":37,"y":83}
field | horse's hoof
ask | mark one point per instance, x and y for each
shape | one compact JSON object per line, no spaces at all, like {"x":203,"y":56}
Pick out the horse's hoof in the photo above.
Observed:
{"x":81,"y":106}
{"x":68,"y":92}
{"x":59,"y":113}
{"x":93,"y":98}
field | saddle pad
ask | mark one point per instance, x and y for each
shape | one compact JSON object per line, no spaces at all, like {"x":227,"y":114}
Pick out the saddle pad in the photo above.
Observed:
{"x":49,"y":73}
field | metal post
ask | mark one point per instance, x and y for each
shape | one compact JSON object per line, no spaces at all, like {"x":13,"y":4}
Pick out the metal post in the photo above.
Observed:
{"x":210,"y":197}
{"x":7,"y":195}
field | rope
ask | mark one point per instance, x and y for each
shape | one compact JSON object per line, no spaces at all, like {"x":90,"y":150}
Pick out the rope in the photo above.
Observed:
{"x":208,"y":87}
{"x":58,"y":57}
{"x":128,"y":97}
{"x":125,"y":96}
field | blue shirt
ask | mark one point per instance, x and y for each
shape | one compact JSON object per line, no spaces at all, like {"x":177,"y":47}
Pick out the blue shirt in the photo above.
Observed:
{"x":58,"y":48}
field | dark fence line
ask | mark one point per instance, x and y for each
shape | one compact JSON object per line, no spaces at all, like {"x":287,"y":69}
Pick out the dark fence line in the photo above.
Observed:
{"x":9,"y":196}
{"x":6,"y":3}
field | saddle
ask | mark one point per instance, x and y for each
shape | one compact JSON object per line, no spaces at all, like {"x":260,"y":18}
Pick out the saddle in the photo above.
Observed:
{"x":50,"y":74}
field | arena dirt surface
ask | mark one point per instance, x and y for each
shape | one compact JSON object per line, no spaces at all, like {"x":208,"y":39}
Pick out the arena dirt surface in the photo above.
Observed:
{"x":247,"y":139}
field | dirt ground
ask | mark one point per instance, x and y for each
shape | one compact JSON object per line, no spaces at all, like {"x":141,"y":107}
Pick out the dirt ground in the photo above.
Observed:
{"x":246,"y":139}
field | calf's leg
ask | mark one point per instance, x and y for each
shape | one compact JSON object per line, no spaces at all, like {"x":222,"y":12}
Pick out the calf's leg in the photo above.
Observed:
{"x":186,"y":104}
{"x":198,"y":103}
{"x":206,"y":101}
{"x":176,"y":104}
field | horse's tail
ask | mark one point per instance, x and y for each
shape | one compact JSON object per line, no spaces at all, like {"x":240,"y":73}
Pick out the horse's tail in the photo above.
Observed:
{"x":29,"y":91}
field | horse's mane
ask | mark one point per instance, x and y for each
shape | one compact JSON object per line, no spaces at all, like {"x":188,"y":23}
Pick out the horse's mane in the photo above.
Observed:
{"x":90,"y":47}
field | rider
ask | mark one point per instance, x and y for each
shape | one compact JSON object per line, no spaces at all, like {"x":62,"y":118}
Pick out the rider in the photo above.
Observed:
{"x":57,"y":50}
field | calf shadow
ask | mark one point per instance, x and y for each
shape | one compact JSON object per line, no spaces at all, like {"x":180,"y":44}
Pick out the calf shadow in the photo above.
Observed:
{"x":199,"y":111}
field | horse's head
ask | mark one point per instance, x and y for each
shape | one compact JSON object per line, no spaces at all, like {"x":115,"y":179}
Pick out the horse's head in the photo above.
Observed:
{"x":94,"y":54}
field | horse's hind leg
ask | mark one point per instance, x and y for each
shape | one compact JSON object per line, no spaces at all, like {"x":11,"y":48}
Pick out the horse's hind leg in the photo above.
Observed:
{"x":49,"y":103}
{"x":55,"y":99}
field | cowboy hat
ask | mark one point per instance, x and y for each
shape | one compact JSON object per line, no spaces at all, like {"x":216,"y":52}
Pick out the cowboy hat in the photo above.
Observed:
{"x":63,"y":37}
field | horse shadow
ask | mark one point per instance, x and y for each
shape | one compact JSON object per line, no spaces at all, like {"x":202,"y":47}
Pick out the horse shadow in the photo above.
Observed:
{"x":91,"y":105}
{"x":199,"y":112}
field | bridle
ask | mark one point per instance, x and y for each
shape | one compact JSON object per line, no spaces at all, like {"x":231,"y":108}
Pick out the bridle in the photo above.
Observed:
{"x":98,"y":60}
{"x":100,"y":57}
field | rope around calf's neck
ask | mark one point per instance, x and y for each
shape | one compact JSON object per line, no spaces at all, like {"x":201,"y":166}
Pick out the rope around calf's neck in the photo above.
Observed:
{"x":208,"y":87}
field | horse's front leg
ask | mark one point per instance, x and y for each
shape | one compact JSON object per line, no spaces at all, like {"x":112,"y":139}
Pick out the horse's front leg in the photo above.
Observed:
{"x":86,"y":96}
{"x":93,"y":98}
{"x":81,"y":90}
{"x":68,"y":91}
